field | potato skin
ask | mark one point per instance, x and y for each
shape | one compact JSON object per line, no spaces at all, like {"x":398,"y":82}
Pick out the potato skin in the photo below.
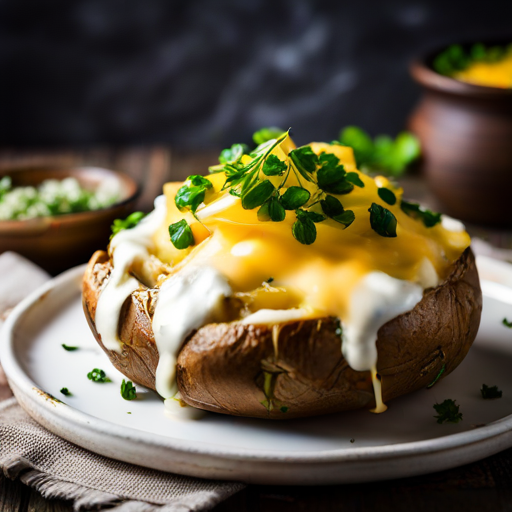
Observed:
{"x":235,"y":369}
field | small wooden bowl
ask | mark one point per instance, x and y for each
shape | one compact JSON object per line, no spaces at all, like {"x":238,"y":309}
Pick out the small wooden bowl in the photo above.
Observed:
{"x":63,"y":241}
{"x":466,"y":135}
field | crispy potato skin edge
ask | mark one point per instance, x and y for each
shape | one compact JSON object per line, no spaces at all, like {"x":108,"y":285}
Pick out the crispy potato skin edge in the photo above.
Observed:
{"x":234,"y":369}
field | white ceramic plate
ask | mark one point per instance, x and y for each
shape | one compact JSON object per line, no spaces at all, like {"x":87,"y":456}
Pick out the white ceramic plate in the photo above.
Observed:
{"x":349,"y":447}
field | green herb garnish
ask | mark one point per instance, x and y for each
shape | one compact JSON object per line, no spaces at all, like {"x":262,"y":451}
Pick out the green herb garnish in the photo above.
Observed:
{"x":382,"y":221}
{"x":130,"y":222}
{"x":294,"y":198}
{"x":506,"y":323}
{"x":181,"y":234}
{"x":383,"y":155}
{"x":353,"y":177}
{"x":270,"y":280}
{"x":388,"y":196}
{"x":192,"y":193}
{"x":265,"y":134}
{"x":69,"y":348}
{"x":232,"y":154}
{"x":257,"y":195}
{"x":284,"y":409}
{"x":490,"y":392}
{"x":414,"y":210}
{"x":448,"y":411}
{"x":305,"y":161}
{"x":331,"y":177}
{"x":272,"y":166}
{"x":128,"y":390}
{"x":304,"y":229}
{"x":98,"y":375}
{"x":65,"y":392}
{"x":271,"y":210}
{"x":438,"y":376}
{"x":457,"y":58}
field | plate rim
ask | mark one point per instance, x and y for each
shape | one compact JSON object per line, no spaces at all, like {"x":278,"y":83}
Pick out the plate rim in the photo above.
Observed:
{"x":25,"y":385}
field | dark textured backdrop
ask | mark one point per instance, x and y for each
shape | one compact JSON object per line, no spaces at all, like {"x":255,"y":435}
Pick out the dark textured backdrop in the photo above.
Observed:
{"x":206,"y":73}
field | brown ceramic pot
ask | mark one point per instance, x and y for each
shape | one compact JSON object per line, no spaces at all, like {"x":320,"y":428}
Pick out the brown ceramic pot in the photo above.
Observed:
{"x":466,"y":135}
{"x":63,"y":241}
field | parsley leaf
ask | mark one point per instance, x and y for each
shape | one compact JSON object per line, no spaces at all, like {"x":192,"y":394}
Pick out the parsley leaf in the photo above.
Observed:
{"x":192,"y":193}
{"x":233,"y":154}
{"x":331,"y":206}
{"x":383,"y":154}
{"x":387,"y":195}
{"x":273,"y":166}
{"x":382,"y":221}
{"x":353,"y":177}
{"x":65,"y":392}
{"x":448,"y":411}
{"x":69,"y":348}
{"x":506,"y":323}
{"x":271,"y":210}
{"x":305,"y":161}
{"x":313,"y":216}
{"x":128,"y":390}
{"x":98,"y":375}
{"x":414,"y":210}
{"x":130,"y":222}
{"x":346,"y":218}
{"x":181,"y":234}
{"x":257,"y":195}
{"x":304,"y":231}
{"x":294,"y":198}
{"x":333,"y":180}
{"x":490,"y":392}
{"x":265,"y":134}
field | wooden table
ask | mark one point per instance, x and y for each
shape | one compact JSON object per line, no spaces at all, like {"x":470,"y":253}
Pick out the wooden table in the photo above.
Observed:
{"x":479,"y":487}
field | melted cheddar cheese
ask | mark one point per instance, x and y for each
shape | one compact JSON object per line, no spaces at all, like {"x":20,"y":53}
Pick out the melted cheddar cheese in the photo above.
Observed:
{"x":489,"y":74}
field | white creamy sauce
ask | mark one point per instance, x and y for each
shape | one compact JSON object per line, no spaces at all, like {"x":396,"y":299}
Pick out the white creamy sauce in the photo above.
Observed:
{"x":175,"y":408}
{"x":451,"y":224}
{"x":186,"y":301}
{"x":377,"y":299}
{"x":127,"y":246}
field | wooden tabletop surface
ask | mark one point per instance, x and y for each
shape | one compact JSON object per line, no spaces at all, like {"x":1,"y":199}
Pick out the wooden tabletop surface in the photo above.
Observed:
{"x":480,"y":487}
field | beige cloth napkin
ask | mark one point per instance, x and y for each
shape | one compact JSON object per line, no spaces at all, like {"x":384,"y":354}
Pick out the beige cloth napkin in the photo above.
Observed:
{"x":59,"y":469}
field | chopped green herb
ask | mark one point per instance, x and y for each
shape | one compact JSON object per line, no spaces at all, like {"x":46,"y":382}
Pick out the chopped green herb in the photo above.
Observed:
{"x":331,"y":206}
{"x":448,"y":411}
{"x":506,"y":323}
{"x":257,"y":195}
{"x":387,"y":195}
{"x":192,"y":193}
{"x":333,"y":179}
{"x":438,"y":376}
{"x":181,"y":234}
{"x":346,"y":218}
{"x":265,"y":134}
{"x":69,"y":348}
{"x":294,"y":198}
{"x":382,"y":154}
{"x":98,"y":375}
{"x":414,"y":210}
{"x":284,"y":409}
{"x":382,"y":221}
{"x":304,"y":230}
{"x":232,"y":154}
{"x":490,"y":392}
{"x":305,"y":161}
{"x":65,"y":392}
{"x":354,"y":178}
{"x":271,"y":210}
{"x":352,"y":440}
{"x":272,"y":166}
{"x":270,"y":280}
{"x":130,"y":222}
{"x":128,"y":390}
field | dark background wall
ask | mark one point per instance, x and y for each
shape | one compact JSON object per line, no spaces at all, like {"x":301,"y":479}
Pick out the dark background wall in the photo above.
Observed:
{"x":206,"y":73}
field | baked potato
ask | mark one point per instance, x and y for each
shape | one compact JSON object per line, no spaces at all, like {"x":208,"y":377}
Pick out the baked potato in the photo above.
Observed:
{"x":252,"y":370}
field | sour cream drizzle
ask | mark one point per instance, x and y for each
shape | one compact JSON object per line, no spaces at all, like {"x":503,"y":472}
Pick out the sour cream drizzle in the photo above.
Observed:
{"x":186,"y":301}
{"x":127,"y":247}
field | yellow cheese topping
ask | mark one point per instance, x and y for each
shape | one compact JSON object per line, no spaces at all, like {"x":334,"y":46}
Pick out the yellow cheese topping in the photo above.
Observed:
{"x":319,"y":277}
{"x":489,"y":74}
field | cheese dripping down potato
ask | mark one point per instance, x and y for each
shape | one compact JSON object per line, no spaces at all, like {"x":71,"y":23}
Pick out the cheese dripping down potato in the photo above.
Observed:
{"x":286,"y":310}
